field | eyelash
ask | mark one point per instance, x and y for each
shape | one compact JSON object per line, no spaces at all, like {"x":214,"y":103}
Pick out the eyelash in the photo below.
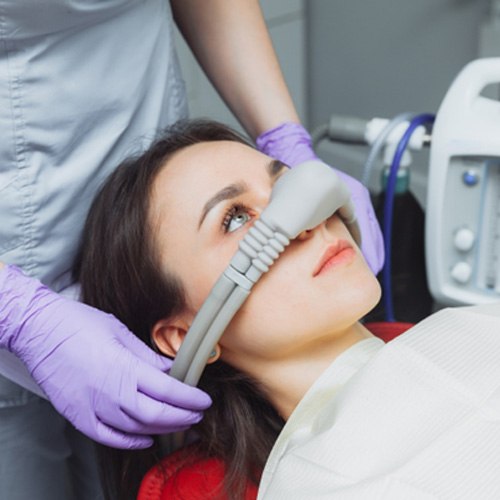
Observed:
{"x":231,"y":212}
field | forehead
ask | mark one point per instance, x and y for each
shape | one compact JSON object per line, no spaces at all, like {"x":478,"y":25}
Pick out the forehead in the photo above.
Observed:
{"x":196,"y":172}
{"x":208,"y":159}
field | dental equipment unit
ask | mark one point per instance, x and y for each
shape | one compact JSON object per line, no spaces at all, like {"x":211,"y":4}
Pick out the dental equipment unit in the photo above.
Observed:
{"x":301,"y":199}
{"x":463,"y":200}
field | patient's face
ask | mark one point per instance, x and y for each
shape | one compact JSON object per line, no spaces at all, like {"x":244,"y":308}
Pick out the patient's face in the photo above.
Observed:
{"x":203,"y":203}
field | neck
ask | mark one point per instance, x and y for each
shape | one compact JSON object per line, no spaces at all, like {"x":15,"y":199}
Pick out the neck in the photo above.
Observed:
{"x":287,"y":381}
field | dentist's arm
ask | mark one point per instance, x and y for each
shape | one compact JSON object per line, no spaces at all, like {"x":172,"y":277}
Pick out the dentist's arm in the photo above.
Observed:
{"x":95,"y":372}
{"x":232,"y":44}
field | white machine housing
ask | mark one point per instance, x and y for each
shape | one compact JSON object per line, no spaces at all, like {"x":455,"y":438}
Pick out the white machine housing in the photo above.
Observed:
{"x":463,"y":201}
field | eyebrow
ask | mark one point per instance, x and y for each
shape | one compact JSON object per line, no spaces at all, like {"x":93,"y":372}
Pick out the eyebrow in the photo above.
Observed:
{"x":273,"y":168}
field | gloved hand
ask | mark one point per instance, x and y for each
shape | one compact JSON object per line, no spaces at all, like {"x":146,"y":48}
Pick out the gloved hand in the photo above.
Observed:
{"x":95,"y":372}
{"x":292,"y":144}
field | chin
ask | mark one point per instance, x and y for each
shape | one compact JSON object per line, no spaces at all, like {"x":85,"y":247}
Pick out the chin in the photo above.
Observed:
{"x":375,"y":294}
{"x":366,"y":297}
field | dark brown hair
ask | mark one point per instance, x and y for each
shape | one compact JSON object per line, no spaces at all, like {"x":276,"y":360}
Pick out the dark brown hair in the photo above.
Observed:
{"x":120,"y":273}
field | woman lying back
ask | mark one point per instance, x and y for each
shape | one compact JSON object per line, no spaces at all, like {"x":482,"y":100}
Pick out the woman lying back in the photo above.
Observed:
{"x":160,"y":233}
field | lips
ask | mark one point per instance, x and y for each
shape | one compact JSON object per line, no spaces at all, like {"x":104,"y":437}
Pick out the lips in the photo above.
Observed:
{"x":333,"y":254}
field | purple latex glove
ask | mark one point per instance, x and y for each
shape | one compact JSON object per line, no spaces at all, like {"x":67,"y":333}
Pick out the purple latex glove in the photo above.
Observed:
{"x":95,"y":372}
{"x":292,"y":144}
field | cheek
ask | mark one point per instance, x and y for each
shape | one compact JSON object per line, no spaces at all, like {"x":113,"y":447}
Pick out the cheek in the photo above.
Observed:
{"x":269,"y":311}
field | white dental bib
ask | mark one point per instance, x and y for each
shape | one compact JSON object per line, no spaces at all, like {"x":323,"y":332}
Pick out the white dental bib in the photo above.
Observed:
{"x":417,"y":418}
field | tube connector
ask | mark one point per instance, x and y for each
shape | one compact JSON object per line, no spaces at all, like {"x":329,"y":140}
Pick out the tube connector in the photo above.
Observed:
{"x":375,"y":126}
{"x":349,"y":129}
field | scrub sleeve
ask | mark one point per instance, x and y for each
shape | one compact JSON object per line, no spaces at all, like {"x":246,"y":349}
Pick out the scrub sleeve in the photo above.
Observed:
{"x":83,"y":83}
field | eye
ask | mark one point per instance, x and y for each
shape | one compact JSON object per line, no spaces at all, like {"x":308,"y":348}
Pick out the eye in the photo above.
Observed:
{"x":236,"y":217}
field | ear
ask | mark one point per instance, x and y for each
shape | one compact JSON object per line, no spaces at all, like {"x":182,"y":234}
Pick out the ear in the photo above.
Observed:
{"x":215,"y":355}
{"x":168,"y":334}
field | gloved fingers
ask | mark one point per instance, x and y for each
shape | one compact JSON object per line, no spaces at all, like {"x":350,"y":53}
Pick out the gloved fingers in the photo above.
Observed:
{"x":109,"y":436}
{"x":288,"y":142}
{"x":144,"y":415}
{"x":166,"y":389}
{"x":372,"y":242}
{"x":142,"y":351}
{"x":372,"y":246}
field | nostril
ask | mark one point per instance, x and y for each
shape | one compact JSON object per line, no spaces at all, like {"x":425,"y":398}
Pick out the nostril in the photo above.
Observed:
{"x":308,"y":233}
{"x":304,"y":234}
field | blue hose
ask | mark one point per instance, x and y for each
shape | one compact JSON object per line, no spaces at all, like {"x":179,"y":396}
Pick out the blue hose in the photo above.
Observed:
{"x":388,"y":211}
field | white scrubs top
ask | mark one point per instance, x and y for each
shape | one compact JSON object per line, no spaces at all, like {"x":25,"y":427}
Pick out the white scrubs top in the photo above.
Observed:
{"x":83,"y":84}
{"x":417,"y":418}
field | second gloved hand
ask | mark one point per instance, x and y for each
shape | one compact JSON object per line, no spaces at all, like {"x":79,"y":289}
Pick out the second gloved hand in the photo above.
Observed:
{"x":291,"y":144}
{"x":95,"y":372}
